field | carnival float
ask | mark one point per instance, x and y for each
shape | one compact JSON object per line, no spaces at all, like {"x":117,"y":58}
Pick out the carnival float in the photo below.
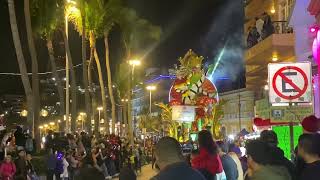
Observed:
{"x":192,"y":88}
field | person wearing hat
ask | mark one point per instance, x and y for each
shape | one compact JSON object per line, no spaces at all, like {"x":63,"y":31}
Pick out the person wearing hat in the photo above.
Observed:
{"x":310,"y":124}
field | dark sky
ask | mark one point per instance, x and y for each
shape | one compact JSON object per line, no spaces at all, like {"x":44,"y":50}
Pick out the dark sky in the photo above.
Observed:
{"x":202,"y":25}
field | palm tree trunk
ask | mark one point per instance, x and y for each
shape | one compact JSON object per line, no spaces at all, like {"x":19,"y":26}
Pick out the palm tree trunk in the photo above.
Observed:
{"x":101,"y":82}
{"x":113,"y":103}
{"x":93,"y":96}
{"x":21,"y":60}
{"x":103,"y":94}
{"x":73,"y":84}
{"x":85,"y":75}
{"x":56,"y":76}
{"x":35,"y":76}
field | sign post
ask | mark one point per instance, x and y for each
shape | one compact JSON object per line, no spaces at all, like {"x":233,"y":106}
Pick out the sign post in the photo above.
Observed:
{"x":289,"y":83}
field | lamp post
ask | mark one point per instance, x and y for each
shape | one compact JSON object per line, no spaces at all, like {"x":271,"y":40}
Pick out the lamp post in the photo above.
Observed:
{"x":150,"y":88}
{"x":133,"y":63}
{"x":99,"y":110}
{"x":82,"y":115}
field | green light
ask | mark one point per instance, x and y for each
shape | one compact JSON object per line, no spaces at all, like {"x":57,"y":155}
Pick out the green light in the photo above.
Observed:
{"x":283,"y":133}
{"x":193,"y":137}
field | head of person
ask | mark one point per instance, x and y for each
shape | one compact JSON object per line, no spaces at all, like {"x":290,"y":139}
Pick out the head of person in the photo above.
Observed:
{"x":258,"y":153}
{"x":270,"y":137}
{"x":127,"y":174}
{"x":21,"y":153}
{"x":206,"y":142}
{"x":8,"y":159}
{"x":309,"y":147}
{"x":310,"y":124}
{"x":222,"y":147}
{"x":89,"y":173}
{"x":168,"y":151}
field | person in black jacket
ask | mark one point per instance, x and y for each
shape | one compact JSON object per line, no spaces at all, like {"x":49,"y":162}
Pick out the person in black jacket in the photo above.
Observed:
{"x":270,"y":137}
{"x":21,"y":164}
{"x":20,"y":138}
{"x":171,"y":162}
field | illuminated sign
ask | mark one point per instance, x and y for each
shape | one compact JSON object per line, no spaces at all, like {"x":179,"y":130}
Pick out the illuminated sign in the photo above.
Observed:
{"x":183,"y":113}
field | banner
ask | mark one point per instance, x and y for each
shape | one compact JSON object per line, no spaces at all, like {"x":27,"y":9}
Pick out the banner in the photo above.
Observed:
{"x":183,"y":113}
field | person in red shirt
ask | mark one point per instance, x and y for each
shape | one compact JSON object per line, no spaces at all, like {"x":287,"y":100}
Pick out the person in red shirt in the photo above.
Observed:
{"x":207,"y":161}
{"x":7,"y":169}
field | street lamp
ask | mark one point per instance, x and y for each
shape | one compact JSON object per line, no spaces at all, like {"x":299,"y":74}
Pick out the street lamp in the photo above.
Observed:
{"x":133,"y":63}
{"x":24,"y":113}
{"x":150,"y":88}
{"x":44,"y":113}
{"x":99,"y":110}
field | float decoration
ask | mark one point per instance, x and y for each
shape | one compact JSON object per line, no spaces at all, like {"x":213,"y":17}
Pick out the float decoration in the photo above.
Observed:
{"x":192,"y":88}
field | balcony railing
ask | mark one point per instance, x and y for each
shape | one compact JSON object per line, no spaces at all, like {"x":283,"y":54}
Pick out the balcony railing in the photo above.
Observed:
{"x":278,"y":27}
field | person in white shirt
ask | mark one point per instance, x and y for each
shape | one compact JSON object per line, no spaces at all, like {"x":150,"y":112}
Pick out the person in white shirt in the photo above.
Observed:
{"x":259,"y":26}
{"x":65,"y":175}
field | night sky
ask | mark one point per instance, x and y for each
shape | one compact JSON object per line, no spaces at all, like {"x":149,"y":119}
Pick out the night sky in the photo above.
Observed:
{"x":206,"y":26}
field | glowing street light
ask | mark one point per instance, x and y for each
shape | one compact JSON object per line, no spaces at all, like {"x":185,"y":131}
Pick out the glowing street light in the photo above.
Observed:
{"x":150,"y":88}
{"x":134,"y":62}
{"x":40,"y":127}
{"x":44,"y":113}
{"x":24,"y":113}
{"x":45,"y":125}
{"x":99,"y":110}
{"x":52,"y":123}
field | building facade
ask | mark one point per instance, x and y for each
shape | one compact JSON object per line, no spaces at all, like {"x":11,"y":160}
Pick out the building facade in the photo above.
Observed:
{"x":238,"y":110}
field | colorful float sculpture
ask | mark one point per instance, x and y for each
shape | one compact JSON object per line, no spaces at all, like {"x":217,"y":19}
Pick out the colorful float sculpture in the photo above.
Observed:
{"x":193,"y":88}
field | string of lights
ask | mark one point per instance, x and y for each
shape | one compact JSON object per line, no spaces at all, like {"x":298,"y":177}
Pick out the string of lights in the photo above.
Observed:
{"x":41,"y":73}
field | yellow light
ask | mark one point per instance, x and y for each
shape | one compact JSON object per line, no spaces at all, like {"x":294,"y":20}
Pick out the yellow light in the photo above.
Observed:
{"x":134,"y":62}
{"x":151,"y":88}
{"x":46,"y":125}
{"x":72,"y":2}
{"x":52,"y":123}
{"x":59,"y":121}
{"x":82,"y":114}
{"x":24,"y":113}
{"x":40,"y":127}
{"x":100,"y":108}
{"x":275,"y":58}
{"x":272,"y":10}
{"x":122,"y":100}
{"x":127,"y":100}
{"x":44,"y":113}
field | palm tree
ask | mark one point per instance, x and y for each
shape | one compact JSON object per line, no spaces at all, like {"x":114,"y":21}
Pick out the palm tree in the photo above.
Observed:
{"x":35,"y":76}
{"x":45,"y":18}
{"x":20,"y":59}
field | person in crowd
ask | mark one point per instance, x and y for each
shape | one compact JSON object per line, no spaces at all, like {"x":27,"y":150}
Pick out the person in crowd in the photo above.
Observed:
{"x":259,"y":26}
{"x":49,"y":143}
{"x":59,"y":168}
{"x":20,"y":138}
{"x":65,"y":174}
{"x":253,"y":36}
{"x":29,"y":144}
{"x":260,"y":163}
{"x":229,"y":165}
{"x":277,"y":154}
{"x":30,"y":168}
{"x":89,"y":173}
{"x":51,"y":164}
{"x":127,"y":174}
{"x":268,"y":27}
{"x":208,"y":160}
{"x":7,"y":169}
{"x":171,"y":162}
{"x":21,"y":164}
{"x":310,"y":125}
{"x":309,"y":151}
{"x":74,"y":165}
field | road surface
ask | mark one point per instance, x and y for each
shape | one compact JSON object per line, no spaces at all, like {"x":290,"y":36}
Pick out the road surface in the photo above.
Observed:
{"x":147,"y":173}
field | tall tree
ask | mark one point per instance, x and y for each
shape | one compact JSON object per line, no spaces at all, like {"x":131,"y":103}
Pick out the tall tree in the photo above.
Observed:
{"x":21,"y":59}
{"x":35,"y":76}
{"x":45,"y":21}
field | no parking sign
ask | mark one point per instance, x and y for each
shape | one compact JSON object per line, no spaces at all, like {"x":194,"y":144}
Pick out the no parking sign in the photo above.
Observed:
{"x":290,"y":82}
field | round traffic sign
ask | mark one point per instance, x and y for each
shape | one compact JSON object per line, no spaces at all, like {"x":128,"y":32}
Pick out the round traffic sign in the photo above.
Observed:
{"x":300,"y":91}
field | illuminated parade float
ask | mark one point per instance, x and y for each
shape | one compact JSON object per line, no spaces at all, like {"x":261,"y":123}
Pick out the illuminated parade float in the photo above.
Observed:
{"x":193,"y":100}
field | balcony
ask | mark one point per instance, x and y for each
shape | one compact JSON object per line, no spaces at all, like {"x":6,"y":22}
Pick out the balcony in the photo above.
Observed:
{"x":277,"y":47}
